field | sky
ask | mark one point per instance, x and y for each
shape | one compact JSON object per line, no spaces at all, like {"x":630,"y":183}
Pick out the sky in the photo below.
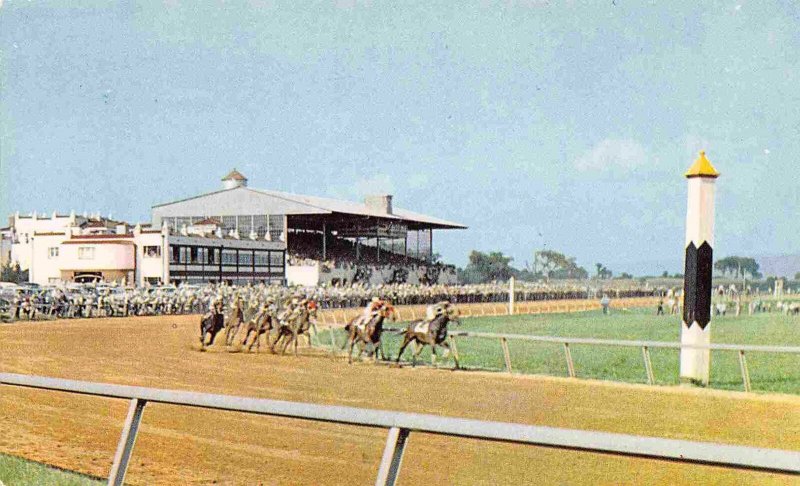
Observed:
{"x":539,"y":124}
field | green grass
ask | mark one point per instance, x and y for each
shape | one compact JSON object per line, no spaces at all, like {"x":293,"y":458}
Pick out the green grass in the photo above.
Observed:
{"x":768,"y":372}
{"x":15,"y":471}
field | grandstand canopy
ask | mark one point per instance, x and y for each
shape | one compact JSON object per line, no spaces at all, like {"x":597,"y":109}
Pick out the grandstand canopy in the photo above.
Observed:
{"x":263,"y":211}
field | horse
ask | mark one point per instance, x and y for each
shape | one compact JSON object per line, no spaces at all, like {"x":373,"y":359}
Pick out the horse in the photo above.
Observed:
{"x":369,"y":332}
{"x":234,"y":321}
{"x":262,"y":323}
{"x":211,"y":323}
{"x":298,"y":323}
{"x":431,"y":332}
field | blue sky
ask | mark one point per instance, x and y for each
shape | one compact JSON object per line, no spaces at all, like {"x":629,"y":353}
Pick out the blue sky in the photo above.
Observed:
{"x":564,"y":125}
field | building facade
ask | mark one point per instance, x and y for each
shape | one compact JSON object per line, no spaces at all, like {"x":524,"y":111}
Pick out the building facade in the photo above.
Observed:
{"x":90,"y":251}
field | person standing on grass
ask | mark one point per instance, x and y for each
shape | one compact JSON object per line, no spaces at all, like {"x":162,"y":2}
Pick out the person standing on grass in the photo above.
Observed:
{"x":605,"y":302}
{"x":660,"y":310}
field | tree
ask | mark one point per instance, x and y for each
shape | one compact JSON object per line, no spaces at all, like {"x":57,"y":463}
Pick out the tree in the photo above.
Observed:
{"x":738,"y":267}
{"x":797,"y":276}
{"x":553,"y":264}
{"x":13,"y":273}
{"x":485,"y":267}
{"x":603,"y":272}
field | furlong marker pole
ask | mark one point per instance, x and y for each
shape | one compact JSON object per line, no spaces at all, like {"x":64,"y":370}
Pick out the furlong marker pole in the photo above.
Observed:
{"x":696,"y":326}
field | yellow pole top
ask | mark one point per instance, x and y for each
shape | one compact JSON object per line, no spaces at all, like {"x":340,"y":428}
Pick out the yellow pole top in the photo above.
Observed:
{"x":702,"y":168}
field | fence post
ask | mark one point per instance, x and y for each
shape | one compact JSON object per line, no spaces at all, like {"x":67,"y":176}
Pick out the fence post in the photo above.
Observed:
{"x":570,"y":364}
{"x":506,"y":354}
{"x":511,"y":296}
{"x":745,"y":372}
{"x":119,"y":467}
{"x":392,"y":457}
{"x":648,"y":366}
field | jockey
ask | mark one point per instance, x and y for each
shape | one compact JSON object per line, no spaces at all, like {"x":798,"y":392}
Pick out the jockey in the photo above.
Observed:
{"x":371,"y":310}
{"x":288,"y":309}
{"x":433,"y":311}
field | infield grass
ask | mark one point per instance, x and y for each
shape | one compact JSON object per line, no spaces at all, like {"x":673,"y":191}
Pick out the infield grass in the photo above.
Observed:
{"x":15,"y":471}
{"x":768,"y":372}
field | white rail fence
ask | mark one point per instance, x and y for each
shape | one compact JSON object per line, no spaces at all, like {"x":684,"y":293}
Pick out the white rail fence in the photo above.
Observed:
{"x":401,"y":424}
{"x":645,"y":346}
{"x":567,"y":342}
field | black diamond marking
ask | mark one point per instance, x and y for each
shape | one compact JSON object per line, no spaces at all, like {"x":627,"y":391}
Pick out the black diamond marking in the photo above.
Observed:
{"x":697,"y":285}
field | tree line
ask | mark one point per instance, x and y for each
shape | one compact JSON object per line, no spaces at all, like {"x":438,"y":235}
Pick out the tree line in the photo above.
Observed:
{"x":553,"y":265}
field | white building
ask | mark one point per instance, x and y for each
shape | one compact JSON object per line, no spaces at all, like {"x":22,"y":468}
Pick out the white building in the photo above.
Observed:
{"x":91,"y":251}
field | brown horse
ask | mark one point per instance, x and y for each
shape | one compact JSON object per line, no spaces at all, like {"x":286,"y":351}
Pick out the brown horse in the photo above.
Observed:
{"x":298,"y":323}
{"x":262,"y":323}
{"x":211,"y":323}
{"x":431,"y":332}
{"x":369,"y":333}
{"x":234,"y":321}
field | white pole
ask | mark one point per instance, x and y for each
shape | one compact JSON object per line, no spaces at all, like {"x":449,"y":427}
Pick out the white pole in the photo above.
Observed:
{"x":696,"y":326}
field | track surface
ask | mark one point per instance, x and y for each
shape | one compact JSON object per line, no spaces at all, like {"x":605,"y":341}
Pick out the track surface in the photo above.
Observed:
{"x":188,"y":446}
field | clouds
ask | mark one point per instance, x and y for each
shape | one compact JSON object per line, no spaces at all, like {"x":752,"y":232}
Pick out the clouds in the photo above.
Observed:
{"x":612,"y":155}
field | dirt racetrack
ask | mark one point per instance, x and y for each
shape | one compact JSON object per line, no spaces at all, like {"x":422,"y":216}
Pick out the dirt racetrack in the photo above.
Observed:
{"x":189,"y":446}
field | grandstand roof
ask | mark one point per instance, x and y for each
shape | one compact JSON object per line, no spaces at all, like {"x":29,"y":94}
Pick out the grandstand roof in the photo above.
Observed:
{"x":247,"y":200}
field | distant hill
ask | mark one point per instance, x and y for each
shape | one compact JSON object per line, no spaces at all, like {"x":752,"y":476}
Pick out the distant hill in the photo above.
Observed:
{"x":779,"y":266}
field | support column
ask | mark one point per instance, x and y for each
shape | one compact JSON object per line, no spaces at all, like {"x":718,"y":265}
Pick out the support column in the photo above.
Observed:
{"x":430,"y":246}
{"x":324,"y":241}
{"x":696,"y":325}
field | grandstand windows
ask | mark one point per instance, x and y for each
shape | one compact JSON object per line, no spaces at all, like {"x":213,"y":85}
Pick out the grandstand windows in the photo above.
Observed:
{"x":228,"y":257}
{"x":276,"y":226}
{"x":244,"y":223}
{"x":262,"y":258}
{"x":228,"y":223}
{"x":245,"y":257}
{"x":260,"y":225}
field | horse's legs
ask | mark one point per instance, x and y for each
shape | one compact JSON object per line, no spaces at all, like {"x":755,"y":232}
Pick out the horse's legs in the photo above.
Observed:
{"x":433,"y":354}
{"x":406,"y":340}
{"x":416,"y":354}
{"x":352,"y":345}
{"x":450,"y":351}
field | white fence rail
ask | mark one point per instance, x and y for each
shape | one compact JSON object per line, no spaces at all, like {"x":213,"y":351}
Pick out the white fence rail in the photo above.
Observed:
{"x":645,"y":346}
{"x":401,"y":424}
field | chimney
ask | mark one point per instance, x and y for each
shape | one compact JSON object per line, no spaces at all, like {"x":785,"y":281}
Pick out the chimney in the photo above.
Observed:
{"x":379,"y":203}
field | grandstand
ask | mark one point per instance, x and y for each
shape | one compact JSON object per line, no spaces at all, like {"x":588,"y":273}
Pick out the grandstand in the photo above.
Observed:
{"x":328,"y":240}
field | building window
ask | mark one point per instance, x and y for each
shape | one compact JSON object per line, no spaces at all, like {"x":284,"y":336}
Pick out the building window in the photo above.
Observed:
{"x":262,"y":258}
{"x":152,"y":252}
{"x":85,"y":253}
{"x":245,"y":257}
{"x":53,"y":280}
{"x":52,"y":252}
{"x":228,"y":257}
